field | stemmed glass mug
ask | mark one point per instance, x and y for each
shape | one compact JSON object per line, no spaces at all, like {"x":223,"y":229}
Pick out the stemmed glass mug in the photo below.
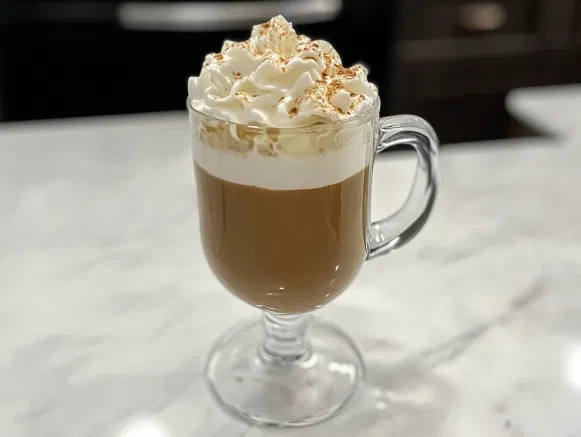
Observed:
{"x":287,"y":233}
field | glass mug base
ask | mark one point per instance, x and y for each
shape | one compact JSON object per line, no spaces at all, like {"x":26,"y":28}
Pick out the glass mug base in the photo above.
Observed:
{"x":291,"y":393}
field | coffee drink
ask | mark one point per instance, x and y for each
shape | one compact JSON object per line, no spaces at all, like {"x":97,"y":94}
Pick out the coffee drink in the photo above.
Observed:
{"x":283,"y":188}
{"x":284,"y":250}
{"x":284,"y":233}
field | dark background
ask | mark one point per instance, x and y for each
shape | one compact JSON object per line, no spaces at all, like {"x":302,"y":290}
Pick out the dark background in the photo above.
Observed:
{"x":450,"y":61}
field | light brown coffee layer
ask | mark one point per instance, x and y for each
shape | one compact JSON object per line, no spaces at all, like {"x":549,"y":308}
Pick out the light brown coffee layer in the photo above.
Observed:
{"x":287,"y":251}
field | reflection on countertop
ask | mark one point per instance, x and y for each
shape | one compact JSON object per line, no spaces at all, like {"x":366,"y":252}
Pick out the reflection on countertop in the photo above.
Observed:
{"x":108,"y":308}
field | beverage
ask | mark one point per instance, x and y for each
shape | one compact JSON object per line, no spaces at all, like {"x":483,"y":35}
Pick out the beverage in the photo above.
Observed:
{"x":283,"y":217}
{"x":283,"y":140}
{"x":288,"y":251}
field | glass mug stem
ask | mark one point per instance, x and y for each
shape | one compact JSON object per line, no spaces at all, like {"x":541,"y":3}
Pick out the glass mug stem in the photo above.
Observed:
{"x":285,"y":338}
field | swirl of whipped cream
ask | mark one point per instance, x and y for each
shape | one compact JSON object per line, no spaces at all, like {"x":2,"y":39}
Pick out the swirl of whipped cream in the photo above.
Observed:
{"x":280,"y":79}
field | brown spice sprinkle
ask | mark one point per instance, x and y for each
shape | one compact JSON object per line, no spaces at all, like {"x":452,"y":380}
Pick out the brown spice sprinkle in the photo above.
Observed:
{"x":330,"y":83}
{"x":242,"y":96}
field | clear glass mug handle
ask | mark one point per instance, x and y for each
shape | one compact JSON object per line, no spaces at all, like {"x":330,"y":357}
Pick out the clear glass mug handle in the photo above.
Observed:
{"x":399,"y":228}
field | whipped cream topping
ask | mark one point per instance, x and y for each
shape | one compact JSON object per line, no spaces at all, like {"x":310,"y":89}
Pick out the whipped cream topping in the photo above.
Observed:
{"x":280,"y":79}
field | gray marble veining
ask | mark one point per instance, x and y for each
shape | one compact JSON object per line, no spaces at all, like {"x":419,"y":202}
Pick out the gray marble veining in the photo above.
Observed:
{"x":108,"y":308}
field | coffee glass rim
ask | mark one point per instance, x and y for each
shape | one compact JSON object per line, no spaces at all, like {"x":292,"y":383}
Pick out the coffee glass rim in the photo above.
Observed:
{"x":315,"y":127}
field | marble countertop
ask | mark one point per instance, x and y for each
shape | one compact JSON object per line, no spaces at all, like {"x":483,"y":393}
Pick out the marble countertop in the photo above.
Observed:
{"x":108,"y":308}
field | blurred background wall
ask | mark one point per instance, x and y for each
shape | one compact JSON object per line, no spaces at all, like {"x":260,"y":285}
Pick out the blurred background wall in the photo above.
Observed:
{"x":451,"y":61}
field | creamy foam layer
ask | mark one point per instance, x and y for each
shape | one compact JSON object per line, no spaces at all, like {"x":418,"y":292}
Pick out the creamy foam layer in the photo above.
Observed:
{"x":282,"y":159}
{"x":280,"y":79}
{"x":281,"y":172}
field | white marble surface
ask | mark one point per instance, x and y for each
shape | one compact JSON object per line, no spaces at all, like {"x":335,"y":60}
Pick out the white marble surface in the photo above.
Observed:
{"x":107,"y":308}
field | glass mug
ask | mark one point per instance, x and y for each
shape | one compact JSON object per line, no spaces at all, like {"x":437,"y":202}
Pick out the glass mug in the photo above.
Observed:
{"x":285,"y":226}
